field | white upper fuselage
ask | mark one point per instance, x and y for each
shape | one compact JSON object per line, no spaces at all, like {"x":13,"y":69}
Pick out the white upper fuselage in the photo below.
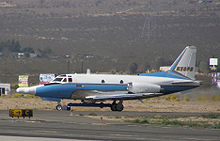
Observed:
{"x":115,"y":79}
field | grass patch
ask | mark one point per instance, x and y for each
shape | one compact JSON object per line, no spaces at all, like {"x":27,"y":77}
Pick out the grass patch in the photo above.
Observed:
{"x":174,"y":122}
{"x":186,"y":98}
{"x":92,"y":114}
{"x":178,"y":121}
{"x":138,"y":121}
{"x":216,"y":125}
{"x":186,"y":123}
{"x":81,"y":115}
{"x":17,"y":95}
{"x":118,"y":117}
{"x":212,"y":116}
{"x":3,"y":95}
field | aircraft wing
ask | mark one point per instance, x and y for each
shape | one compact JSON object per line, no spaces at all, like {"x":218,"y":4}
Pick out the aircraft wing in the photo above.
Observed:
{"x":122,"y":96}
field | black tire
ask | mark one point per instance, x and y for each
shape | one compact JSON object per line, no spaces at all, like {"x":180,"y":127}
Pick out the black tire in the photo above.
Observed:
{"x":113,"y":107}
{"x":119,"y":107}
{"x":59,"y":107}
{"x":68,"y":108}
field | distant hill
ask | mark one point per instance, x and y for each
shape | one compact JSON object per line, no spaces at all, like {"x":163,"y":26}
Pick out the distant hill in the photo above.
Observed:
{"x":108,"y":35}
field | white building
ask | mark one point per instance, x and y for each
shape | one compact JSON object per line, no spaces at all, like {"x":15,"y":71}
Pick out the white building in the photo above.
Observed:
{"x":5,"y":88}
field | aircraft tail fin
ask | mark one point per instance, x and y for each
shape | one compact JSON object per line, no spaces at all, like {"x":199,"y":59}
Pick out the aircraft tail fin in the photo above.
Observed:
{"x":184,"y":65}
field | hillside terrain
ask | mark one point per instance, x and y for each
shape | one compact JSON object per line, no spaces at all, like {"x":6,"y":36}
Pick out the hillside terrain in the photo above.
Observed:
{"x":105,"y":36}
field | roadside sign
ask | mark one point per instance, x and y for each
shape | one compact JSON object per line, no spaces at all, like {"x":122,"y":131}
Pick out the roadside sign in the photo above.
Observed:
{"x":46,"y":78}
{"x":23,"y":80}
{"x":21,"y":113}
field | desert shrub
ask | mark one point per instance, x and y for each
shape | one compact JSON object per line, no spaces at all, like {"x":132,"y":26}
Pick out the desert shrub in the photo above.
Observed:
{"x":202,"y":98}
{"x":144,"y":121}
{"x":174,"y":98}
{"x":92,"y":114}
{"x":158,"y":116}
{"x":215,"y":98}
{"x":14,"y":86}
{"x":3,"y":95}
{"x":154,"y":98}
{"x":186,"y":98}
{"x":171,"y":98}
{"x":166,"y":97}
{"x":29,"y":96}
{"x":216,"y":125}
{"x":17,"y":95}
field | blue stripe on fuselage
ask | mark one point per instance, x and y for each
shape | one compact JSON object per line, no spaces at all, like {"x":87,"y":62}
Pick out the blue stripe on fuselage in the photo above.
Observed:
{"x":64,"y":91}
{"x":162,"y":74}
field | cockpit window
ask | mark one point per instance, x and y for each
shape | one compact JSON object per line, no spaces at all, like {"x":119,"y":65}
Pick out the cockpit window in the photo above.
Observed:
{"x":64,"y":80}
{"x":58,"y":79}
{"x":63,"y":75}
{"x":70,"y":80}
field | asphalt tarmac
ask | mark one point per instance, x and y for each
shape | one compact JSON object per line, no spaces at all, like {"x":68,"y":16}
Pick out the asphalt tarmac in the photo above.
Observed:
{"x":55,"y":125}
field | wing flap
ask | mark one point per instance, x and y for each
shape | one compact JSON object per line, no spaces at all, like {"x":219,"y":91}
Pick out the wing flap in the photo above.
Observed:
{"x":122,"y":96}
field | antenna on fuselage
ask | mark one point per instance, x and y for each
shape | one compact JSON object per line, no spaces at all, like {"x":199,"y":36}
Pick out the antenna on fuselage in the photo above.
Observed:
{"x":88,"y":71}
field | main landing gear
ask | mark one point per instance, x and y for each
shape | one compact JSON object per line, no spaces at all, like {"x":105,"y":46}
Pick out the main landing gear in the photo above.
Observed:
{"x":114,"y":106}
{"x":117,"y":106}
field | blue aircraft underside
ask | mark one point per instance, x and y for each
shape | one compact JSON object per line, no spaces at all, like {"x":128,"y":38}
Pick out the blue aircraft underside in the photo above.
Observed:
{"x":173,"y":89}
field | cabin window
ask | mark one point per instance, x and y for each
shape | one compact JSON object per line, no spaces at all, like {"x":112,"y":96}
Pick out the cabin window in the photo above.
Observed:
{"x":103,"y":81}
{"x":121,"y":82}
{"x":58,"y":79}
{"x":70,"y":79}
{"x":64,"y":80}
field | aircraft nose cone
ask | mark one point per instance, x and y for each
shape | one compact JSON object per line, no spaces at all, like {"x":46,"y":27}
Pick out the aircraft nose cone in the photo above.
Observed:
{"x":26,"y":90}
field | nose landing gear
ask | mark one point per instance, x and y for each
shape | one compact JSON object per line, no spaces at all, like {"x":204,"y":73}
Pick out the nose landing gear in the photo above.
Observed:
{"x":59,"y":107}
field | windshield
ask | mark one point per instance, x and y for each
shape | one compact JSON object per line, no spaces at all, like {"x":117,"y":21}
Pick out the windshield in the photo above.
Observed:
{"x":58,"y":79}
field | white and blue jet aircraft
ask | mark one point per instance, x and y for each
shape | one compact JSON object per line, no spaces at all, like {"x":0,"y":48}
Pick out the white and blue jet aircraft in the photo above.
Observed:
{"x":94,"y":89}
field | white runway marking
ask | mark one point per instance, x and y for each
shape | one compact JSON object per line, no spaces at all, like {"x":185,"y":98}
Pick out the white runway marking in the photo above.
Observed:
{"x":20,"y":138}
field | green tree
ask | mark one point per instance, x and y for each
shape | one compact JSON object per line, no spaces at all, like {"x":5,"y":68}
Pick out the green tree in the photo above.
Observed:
{"x":44,"y":52}
{"x":14,"y":46}
{"x":28,"y":50}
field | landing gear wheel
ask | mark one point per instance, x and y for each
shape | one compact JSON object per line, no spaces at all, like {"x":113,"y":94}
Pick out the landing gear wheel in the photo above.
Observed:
{"x":114,"y":107}
{"x":68,"y":108}
{"x":119,"y":107}
{"x":59,"y":107}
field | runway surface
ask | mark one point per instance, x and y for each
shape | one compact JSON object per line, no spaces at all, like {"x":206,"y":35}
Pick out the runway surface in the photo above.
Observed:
{"x":55,"y":125}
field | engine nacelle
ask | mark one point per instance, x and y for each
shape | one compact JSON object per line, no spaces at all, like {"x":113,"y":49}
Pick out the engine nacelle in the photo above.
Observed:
{"x":143,"y":88}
